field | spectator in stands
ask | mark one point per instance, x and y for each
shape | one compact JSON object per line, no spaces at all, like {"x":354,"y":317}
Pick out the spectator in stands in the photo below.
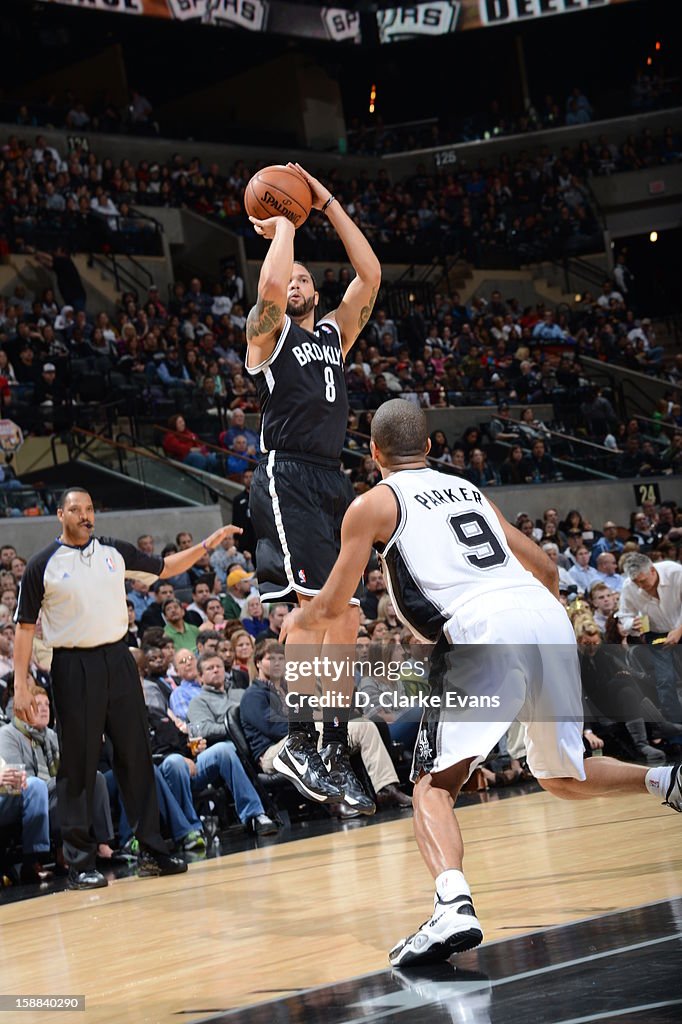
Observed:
{"x":547,"y":329}
{"x":156,"y":684}
{"x":195,"y":613}
{"x":641,"y":530}
{"x":30,"y":741}
{"x":182,"y":633}
{"x":243,"y":646}
{"x":238,"y":428}
{"x":538,"y":467}
{"x":604,"y":603}
{"x":375,"y":588}
{"x":607,"y":567}
{"x":276,"y":614}
{"x":608,"y":542}
{"x":512,"y":470}
{"x":656,"y":592}
{"x":254,"y":619}
{"x":185,"y":664}
{"x":239,"y":587}
{"x":140,"y":598}
{"x":27,"y":807}
{"x":552,"y":550}
{"x":582,"y":573}
{"x":235,"y":678}
{"x":501,"y":428}
{"x":162,"y":590}
{"x":181,"y":444}
{"x":479,"y":472}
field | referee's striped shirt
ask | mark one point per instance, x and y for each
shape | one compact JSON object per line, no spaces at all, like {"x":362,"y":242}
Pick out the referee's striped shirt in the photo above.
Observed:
{"x":80,"y":591}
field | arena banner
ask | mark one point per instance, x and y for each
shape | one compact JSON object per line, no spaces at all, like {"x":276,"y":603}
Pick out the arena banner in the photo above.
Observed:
{"x":441,"y":17}
{"x":337,"y":24}
{"x":342,"y":24}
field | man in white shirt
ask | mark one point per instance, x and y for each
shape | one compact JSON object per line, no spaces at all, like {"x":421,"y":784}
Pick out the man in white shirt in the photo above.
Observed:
{"x":607,"y":296}
{"x":656,"y":591}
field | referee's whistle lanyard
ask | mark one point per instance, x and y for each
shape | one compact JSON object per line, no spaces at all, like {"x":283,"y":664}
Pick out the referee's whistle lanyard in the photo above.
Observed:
{"x":84,"y":554}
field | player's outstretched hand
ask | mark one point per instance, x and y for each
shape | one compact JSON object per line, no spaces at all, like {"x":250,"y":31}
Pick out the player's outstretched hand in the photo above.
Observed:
{"x":289,"y":623}
{"x":224,"y":533}
{"x":320,"y":193}
{"x":267,"y":228}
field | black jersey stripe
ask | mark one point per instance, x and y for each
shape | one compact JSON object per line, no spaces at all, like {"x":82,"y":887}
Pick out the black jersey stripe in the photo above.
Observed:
{"x":412,"y":604}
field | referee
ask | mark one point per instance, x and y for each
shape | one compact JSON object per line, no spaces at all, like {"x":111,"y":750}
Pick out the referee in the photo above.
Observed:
{"x":77,"y":586}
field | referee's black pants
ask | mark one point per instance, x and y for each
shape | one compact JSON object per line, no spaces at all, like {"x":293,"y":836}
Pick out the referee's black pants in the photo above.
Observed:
{"x":98,"y":690}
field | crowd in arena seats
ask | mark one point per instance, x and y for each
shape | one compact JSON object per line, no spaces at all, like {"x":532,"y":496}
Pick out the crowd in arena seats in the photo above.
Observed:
{"x":181,"y":360}
{"x":648,"y":92}
{"x":211,"y":671}
{"x":527,"y":207}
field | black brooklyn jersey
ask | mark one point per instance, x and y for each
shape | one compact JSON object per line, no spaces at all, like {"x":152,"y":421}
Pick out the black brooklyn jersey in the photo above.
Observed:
{"x":302,"y":391}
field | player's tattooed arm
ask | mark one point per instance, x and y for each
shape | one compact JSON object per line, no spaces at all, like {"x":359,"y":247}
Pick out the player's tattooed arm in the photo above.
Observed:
{"x":264,"y":318}
{"x":366,"y":311}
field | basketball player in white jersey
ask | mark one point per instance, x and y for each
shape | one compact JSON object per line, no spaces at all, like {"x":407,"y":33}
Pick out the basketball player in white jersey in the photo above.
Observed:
{"x":459,"y":574}
{"x":300,"y":493}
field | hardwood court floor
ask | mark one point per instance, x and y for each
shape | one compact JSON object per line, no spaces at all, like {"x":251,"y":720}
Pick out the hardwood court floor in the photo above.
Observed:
{"x":253,"y":926}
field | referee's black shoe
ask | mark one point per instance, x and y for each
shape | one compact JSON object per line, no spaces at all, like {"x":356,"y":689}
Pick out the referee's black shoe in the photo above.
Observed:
{"x":299,"y":760}
{"x":91,"y":879}
{"x":151,"y":864}
{"x":337,"y":762}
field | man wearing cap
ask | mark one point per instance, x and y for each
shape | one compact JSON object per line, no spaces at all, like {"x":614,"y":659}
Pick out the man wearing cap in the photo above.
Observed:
{"x":52,"y":399}
{"x":609,"y":542}
{"x":238,"y":590}
{"x":500,"y":427}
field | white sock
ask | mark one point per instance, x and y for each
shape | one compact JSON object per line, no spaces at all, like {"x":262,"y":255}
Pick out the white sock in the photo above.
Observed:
{"x":450,"y":884}
{"x":657,"y":781}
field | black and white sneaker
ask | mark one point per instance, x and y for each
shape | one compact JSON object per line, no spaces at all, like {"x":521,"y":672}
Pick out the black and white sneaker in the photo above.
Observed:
{"x":337,"y":762}
{"x":673,"y":796}
{"x":299,"y":760}
{"x":151,"y":864}
{"x":453,"y":928}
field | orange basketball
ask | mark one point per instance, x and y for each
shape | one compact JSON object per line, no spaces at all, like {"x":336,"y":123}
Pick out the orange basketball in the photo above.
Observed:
{"x":277,"y":191}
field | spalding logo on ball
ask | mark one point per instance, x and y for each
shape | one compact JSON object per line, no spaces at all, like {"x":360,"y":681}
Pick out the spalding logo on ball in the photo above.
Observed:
{"x":278,"y":191}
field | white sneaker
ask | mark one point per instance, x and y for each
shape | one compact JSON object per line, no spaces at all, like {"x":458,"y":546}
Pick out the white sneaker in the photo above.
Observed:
{"x":673,"y":796}
{"x":453,"y":928}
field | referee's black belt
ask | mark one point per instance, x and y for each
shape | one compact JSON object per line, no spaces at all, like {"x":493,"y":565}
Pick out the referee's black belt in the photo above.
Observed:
{"x":314,"y":460}
{"x":83,"y":650}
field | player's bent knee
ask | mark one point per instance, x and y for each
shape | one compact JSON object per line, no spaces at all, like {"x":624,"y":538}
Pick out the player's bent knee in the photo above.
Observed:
{"x":564,"y":789}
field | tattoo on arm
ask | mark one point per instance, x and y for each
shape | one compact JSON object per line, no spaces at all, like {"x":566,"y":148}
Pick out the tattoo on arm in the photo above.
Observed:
{"x":366,"y":311}
{"x":264,"y":318}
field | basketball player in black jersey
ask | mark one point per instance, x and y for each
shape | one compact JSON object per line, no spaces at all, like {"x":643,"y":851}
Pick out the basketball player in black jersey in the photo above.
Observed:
{"x":299,"y":493}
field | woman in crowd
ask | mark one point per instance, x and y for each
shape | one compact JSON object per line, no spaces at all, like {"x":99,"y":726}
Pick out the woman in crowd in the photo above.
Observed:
{"x":479,"y":472}
{"x":253,"y":618}
{"x":243,"y":645}
{"x":511,"y":471}
{"x":181,"y":444}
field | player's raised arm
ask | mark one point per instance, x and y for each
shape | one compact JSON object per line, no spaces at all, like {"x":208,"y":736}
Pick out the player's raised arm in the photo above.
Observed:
{"x":265,"y":320}
{"x":530,"y":555}
{"x":357,"y":304}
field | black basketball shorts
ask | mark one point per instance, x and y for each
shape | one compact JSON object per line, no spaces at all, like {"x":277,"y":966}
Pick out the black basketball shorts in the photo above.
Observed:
{"x":297,"y":504}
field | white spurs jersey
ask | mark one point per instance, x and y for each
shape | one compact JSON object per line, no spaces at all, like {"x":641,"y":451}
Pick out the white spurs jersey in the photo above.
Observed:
{"x":448,"y":548}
